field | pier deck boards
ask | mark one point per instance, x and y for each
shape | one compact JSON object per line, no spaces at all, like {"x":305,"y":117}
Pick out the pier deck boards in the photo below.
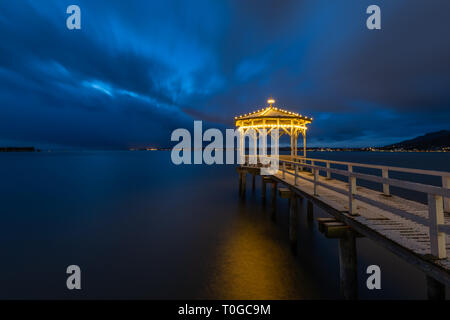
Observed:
{"x":402,"y":234}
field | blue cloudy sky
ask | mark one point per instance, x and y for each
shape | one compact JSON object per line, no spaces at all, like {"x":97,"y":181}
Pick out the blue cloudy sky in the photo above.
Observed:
{"x":139,"y":69}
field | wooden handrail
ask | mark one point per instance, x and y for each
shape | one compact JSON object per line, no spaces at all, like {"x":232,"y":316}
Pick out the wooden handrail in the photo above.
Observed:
{"x":374,"y":166}
{"x":390,"y":181}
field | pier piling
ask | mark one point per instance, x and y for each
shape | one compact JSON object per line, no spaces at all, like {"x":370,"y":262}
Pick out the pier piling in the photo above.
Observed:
{"x":240,"y":183}
{"x":244,"y":183}
{"x":348,"y":266}
{"x":435,"y":289}
{"x":284,"y":193}
{"x":264,"y":182}
{"x":310,"y":212}
{"x":293,"y":220}
{"x":334,"y":229}
{"x":274,"y":200}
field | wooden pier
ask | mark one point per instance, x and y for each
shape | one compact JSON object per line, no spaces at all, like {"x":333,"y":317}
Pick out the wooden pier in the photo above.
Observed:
{"x":419,"y":233}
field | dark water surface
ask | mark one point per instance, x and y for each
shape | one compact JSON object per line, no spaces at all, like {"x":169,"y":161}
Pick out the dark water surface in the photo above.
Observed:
{"x":141,"y":227}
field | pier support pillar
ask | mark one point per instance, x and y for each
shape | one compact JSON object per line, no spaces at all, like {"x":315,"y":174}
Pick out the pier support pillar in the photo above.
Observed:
{"x":253,"y":183}
{"x":274,"y":200}
{"x":435,"y":289}
{"x":263,"y":189}
{"x":244,"y":184}
{"x":293,"y":221}
{"x":348,"y":266}
{"x":240,"y":183}
{"x":310,"y":212}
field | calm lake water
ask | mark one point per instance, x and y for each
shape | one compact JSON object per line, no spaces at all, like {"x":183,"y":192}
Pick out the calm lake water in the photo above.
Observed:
{"x":141,"y":227}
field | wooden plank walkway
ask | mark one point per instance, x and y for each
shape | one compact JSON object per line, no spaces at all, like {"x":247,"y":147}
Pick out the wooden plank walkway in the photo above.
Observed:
{"x":398,"y":224}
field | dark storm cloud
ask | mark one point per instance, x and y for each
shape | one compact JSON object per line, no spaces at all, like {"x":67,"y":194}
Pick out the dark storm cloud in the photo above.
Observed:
{"x":139,"y":69}
{"x":373,"y":86}
{"x":67,"y":88}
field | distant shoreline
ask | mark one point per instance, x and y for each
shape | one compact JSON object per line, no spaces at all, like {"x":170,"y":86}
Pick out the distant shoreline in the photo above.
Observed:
{"x":17,"y":149}
{"x":33,"y":149}
{"x":329,"y":150}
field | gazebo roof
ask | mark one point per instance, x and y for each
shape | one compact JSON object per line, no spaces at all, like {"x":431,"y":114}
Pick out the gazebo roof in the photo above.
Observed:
{"x":273,"y":112}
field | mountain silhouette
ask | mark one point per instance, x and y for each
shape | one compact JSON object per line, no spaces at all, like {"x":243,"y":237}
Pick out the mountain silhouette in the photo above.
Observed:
{"x":431,"y":140}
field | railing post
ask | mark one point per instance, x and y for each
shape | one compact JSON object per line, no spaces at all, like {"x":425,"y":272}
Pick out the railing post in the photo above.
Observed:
{"x":436,"y":217}
{"x":284,"y":170}
{"x":351,"y":192}
{"x":385,"y":174}
{"x":312,"y":163}
{"x":352,"y":182}
{"x":328,"y":172}
{"x":316,"y":178}
{"x":296,"y":174}
{"x":446,"y":184}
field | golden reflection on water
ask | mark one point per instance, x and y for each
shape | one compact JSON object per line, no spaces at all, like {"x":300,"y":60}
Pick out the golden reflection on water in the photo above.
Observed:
{"x":251,"y":264}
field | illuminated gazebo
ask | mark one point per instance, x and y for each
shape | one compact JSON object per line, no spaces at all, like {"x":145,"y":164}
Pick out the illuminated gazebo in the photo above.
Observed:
{"x":271,"y":117}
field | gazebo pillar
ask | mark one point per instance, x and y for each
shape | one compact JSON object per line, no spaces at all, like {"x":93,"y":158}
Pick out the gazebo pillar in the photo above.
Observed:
{"x":241,"y":144}
{"x":304,"y":143}
{"x":295,"y":143}
{"x":276,"y":138}
{"x":292,"y":143}
{"x":255,"y":145}
{"x":263,"y":140}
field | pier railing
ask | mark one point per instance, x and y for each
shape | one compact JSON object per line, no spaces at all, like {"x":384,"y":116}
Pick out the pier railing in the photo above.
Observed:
{"x":438,"y":197}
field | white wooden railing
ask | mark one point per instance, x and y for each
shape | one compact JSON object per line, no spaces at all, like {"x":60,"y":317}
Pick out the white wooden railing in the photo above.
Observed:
{"x":438,"y":197}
